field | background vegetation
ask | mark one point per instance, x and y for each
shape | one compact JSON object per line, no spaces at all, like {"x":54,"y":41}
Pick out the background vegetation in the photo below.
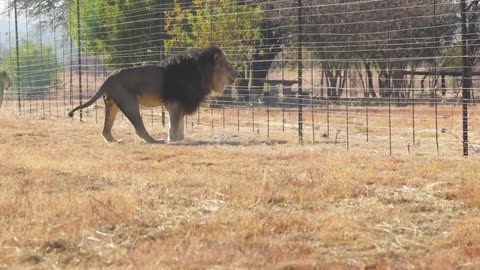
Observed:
{"x":423,"y":33}
{"x":37,"y":67}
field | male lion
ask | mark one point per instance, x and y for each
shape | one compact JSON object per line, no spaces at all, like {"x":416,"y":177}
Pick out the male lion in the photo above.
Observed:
{"x":181,"y":82}
{"x":5,"y":83}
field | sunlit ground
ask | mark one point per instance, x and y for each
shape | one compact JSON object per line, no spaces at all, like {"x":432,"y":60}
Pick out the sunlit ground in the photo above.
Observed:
{"x":228,"y":200}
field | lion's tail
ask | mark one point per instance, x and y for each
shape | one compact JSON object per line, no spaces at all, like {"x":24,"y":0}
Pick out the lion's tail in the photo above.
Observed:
{"x":90,"y":102}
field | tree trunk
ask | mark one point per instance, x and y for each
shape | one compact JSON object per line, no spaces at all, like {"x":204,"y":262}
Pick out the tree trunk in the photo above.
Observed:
{"x":399,"y":83}
{"x":469,"y":45}
{"x":384,"y":84}
{"x":242,"y":86}
{"x":422,"y":84}
{"x":331,"y":84}
{"x":343,"y":82}
{"x":265,"y":52}
{"x":371,"y":89}
{"x":321,"y":83}
{"x":359,"y":72}
{"x":260,"y":67}
{"x":411,"y":84}
{"x":444,"y":86}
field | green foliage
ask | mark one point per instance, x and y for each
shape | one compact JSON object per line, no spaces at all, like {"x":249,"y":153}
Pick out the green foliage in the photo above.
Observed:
{"x":124,"y":32}
{"x":131,"y":32}
{"x":99,"y":25}
{"x":451,"y":58}
{"x":221,"y":22}
{"x":38,"y":66}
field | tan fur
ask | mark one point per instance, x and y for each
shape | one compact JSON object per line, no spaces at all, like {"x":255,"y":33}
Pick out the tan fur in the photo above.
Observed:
{"x":120,"y":93}
{"x":5,"y":83}
{"x":175,"y":132}
{"x":223,"y":74}
{"x":221,"y":78}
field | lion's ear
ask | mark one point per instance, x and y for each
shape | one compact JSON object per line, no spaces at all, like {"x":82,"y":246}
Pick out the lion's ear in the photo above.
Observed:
{"x":218,"y":56}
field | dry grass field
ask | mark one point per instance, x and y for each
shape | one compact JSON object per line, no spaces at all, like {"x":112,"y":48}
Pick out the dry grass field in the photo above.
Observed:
{"x":70,"y":200}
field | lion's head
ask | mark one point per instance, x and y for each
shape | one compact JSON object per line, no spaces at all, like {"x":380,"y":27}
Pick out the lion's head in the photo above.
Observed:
{"x":223,"y":72}
{"x":6,"y":81}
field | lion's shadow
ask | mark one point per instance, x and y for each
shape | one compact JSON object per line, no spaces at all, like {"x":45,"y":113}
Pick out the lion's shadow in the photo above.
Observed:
{"x":227,"y":143}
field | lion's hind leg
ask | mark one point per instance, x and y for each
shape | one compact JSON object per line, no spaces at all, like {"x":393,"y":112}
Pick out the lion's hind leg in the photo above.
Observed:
{"x":111,"y":110}
{"x":128,"y":104}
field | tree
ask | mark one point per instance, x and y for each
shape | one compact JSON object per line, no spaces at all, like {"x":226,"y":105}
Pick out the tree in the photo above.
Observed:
{"x":37,"y":67}
{"x":388,"y":36}
{"x":470,"y":21}
{"x":127,"y":32}
{"x":384,"y":36}
{"x":55,"y":10}
{"x":124,"y":33}
{"x":276,"y":32}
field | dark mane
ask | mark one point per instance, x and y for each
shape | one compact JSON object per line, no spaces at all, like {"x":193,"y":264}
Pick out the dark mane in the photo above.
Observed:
{"x":188,"y":77}
{"x":194,"y":54}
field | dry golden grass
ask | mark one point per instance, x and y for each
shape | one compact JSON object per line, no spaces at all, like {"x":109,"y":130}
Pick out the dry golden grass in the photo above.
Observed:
{"x":70,"y":200}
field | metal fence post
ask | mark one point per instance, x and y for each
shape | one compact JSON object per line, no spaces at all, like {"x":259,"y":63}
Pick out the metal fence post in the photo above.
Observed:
{"x":466,"y":78}
{"x":300,"y":73}
{"x":79,"y":44}
{"x":19,"y":96}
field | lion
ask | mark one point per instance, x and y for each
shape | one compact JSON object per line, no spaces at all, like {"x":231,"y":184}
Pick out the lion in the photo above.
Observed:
{"x":180,"y":83}
{"x":5,"y":83}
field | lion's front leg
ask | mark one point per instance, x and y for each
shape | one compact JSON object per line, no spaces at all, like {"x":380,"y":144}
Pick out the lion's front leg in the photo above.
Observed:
{"x":176,"y":130}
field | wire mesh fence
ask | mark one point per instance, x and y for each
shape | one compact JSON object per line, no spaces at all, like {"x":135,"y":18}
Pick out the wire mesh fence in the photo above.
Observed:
{"x":397,"y":77}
